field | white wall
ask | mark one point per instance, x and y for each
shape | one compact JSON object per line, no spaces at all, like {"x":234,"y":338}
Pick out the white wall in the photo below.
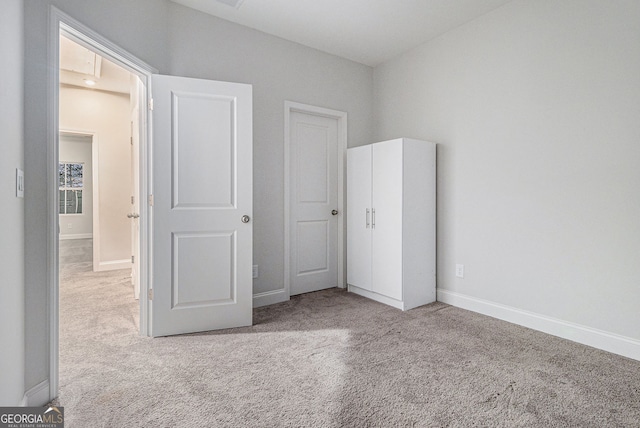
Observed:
{"x":108,"y":115}
{"x":77,"y":149}
{"x":278,"y":70}
{"x":536,"y":109}
{"x":12,"y":333}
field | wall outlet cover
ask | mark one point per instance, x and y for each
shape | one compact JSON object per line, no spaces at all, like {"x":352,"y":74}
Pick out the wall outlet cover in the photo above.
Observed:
{"x":19,"y":183}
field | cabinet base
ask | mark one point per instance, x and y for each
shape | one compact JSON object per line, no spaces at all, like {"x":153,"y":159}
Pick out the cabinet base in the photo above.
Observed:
{"x":378,"y":297}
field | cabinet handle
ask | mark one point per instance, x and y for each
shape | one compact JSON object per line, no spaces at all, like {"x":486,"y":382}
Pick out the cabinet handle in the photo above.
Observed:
{"x":373,"y":218}
{"x":367,"y":219}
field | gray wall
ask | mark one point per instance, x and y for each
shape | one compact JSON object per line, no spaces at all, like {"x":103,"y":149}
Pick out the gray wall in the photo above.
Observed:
{"x":536,"y":109}
{"x":12,"y":223}
{"x":177,"y":40}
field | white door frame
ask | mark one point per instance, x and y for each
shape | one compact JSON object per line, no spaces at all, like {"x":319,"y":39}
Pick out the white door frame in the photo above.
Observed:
{"x":293,"y":107}
{"x":61,"y":23}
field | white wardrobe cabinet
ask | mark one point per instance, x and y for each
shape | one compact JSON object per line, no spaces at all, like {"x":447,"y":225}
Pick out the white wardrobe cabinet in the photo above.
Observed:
{"x":391,"y":222}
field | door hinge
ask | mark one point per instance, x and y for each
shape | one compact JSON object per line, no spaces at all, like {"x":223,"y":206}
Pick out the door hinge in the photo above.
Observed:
{"x":133,"y":199}
{"x":150,"y":294}
{"x":150,"y":200}
{"x":133,"y":259}
{"x":151,"y":104}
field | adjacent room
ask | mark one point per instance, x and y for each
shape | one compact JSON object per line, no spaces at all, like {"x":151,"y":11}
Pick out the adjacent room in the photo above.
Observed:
{"x":237,"y":188}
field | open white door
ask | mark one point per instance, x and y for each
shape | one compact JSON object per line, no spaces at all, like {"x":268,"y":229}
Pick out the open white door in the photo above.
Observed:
{"x":202,"y":207}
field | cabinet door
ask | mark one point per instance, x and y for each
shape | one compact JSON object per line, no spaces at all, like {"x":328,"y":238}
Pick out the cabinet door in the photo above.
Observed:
{"x":387,"y":219}
{"x":359,"y":217}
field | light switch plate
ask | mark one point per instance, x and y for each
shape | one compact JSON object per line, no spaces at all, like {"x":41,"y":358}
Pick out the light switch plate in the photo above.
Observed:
{"x":19,"y":183}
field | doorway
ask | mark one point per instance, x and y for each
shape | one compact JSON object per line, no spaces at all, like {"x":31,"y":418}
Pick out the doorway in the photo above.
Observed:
{"x":97,"y":176}
{"x":99,"y":61}
{"x":315,"y":147}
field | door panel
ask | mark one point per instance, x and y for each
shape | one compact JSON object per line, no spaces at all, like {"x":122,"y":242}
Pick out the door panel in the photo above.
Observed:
{"x":387,"y":219}
{"x":202,"y":186}
{"x":312,"y":257}
{"x":359,"y":216}
{"x":312,"y":161}
{"x":205,"y":120}
{"x":314,"y":191}
{"x":200,"y":265}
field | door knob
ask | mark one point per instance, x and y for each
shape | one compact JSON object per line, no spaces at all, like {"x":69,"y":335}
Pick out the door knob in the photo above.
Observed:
{"x":334,"y":212}
{"x":245,"y":219}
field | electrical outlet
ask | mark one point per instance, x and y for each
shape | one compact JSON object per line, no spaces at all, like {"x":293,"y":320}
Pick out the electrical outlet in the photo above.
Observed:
{"x":69,"y":225}
{"x":255,"y":271}
{"x":460,"y":271}
{"x":19,"y":183}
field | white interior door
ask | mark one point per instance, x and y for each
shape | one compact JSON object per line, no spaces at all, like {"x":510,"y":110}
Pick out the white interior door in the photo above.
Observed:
{"x":386,"y":220}
{"x":359,"y":216}
{"x":314,"y":202}
{"x":202,"y":187}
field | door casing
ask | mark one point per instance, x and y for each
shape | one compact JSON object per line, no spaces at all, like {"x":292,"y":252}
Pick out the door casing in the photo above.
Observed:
{"x":289,"y":108}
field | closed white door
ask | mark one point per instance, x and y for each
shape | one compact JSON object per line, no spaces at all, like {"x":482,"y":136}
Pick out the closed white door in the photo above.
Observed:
{"x":314,"y":202}
{"x":386,"y":219}
{"x":202,"y":208}
{"x":359,"y":217}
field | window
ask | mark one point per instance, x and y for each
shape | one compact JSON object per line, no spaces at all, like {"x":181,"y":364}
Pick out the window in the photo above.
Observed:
{"x":70,"y":184}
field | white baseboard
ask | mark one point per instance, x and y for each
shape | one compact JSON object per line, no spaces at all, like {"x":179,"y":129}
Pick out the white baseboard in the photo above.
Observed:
{"x":113,"y":265}
{"x":75,"y":236}
{"x":270,"y":298}
{"x":37,"y":396}
{"x":611,"y":342}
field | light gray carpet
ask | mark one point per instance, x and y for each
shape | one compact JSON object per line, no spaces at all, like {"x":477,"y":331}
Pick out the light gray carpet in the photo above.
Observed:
{"x":329,"y":359}
{"x":72,"y":251}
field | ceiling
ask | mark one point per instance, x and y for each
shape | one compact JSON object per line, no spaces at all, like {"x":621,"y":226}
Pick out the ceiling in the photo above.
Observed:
{"x":79,"y":64}
{"x":366,"y":31}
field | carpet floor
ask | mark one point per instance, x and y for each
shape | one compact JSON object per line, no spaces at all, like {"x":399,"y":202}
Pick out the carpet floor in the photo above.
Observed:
{"x":328,"y":359}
